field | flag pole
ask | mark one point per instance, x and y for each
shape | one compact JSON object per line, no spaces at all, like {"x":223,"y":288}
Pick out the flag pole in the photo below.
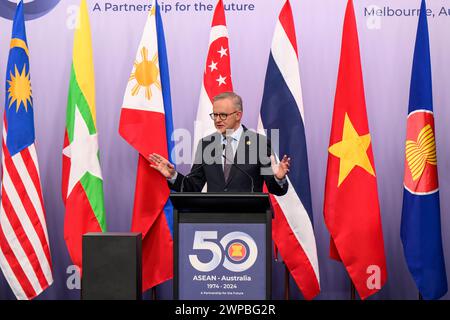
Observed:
{"x":154,"y":293}
{"x":352,"y":291}
{"x":275,"y":252}
{"x":286,"y":283}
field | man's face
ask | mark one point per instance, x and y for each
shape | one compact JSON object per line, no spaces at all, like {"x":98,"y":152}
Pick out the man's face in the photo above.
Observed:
{"x":233,"y":120}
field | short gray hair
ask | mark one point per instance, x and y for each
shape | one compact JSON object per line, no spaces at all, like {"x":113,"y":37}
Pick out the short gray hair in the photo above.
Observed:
{"x":237,"y":100}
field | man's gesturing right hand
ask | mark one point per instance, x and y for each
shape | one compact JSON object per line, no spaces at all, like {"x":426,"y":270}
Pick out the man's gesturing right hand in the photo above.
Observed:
{"x":162,"y":165}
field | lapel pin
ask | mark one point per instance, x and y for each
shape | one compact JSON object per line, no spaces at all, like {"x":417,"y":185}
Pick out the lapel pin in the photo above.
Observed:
{"x":249,"y":142}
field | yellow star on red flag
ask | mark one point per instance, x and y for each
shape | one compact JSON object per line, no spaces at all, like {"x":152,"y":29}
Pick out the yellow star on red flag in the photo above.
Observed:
{"x":352,"y":151}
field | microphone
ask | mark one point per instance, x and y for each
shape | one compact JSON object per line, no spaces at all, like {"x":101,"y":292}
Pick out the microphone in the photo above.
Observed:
{"x":189,"y":175}
{"x":240,"y":169}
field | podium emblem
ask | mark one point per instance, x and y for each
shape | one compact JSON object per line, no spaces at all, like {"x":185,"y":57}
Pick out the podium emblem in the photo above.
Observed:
{"x":237,"y":252}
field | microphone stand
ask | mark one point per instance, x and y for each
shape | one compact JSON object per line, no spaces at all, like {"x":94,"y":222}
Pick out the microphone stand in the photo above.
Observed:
{"x":241,"y":170}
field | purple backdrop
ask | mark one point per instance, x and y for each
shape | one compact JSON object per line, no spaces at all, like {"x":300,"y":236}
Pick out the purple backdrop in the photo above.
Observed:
{"x":386,"y":51}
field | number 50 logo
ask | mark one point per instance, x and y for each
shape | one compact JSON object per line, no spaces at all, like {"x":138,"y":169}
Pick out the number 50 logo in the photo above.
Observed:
{"x":238,"y":257}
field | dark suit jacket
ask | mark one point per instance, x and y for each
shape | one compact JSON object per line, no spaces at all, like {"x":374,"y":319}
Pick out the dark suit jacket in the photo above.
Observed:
{"x":252,"y":156}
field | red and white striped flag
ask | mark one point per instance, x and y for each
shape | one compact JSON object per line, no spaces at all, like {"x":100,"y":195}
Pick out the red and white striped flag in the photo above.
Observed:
{"x":24,"y":248}
{"x":217,"y":76}
{"x":282,"y":109}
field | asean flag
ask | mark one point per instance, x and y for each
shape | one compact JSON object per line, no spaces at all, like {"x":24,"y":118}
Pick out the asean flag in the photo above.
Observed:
{"x":146,"y":124}
{"x":421,"y":216}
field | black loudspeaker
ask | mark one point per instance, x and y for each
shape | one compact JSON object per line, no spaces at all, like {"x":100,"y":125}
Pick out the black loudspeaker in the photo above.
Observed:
{"x":112,"y":266}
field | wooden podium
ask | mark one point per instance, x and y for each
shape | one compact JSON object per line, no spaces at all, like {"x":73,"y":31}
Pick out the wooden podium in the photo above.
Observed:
{"x":222,"y":246}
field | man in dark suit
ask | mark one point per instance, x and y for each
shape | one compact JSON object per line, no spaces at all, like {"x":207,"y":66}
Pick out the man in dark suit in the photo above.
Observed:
{"x":233,"y":159}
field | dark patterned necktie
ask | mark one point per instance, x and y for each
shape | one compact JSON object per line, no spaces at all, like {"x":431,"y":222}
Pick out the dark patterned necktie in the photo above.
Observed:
{"x":228,"y":158}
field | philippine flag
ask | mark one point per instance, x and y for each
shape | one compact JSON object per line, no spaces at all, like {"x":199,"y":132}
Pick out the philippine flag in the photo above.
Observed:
{"x":282,"y":109}
{"x":146,"y":124}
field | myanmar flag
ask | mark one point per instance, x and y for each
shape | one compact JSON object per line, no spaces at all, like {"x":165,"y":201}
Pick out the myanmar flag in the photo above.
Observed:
{"x":82,"y":183}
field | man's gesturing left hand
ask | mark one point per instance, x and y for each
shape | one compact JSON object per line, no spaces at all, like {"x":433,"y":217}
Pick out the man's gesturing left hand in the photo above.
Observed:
{"x":281,"y":169}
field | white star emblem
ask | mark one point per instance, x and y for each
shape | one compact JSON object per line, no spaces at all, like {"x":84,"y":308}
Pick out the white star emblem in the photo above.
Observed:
{"x":213,"y":66}
{"x":82,"y":152}
{"x":223,"y":52}
{"x":221,"y":80}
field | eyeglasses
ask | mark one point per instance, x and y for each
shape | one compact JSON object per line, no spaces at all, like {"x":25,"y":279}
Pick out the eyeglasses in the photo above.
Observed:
{"x":222,"y":116}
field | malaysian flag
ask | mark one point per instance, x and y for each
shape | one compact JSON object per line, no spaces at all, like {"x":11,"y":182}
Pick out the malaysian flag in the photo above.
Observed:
{"x":24,"y":248}
{"x":282,"y":109}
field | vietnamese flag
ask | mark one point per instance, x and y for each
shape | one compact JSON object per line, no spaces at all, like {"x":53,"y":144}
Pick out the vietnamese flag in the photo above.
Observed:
{"x":351,"y":208}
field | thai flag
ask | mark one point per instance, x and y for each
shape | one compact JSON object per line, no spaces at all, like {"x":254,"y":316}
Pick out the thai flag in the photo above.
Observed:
{"x":282,"y":109}
{"x":146,"y":124}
